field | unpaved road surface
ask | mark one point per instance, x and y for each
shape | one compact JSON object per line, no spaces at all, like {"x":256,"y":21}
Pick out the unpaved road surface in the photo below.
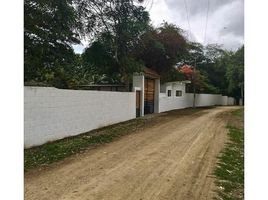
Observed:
{"x":171,"y":160}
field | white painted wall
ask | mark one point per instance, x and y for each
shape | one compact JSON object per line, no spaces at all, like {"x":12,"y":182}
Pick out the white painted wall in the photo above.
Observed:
{"x":170,"y":103}
{"x":51,"y":114}
{"x":231,"y":101}
{"x":224,"y":100}
{"x":240,"y":102}
{"x":208,"y":99}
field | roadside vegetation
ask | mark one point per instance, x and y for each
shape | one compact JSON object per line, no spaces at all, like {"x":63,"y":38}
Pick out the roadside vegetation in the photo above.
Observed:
{"x":54,"y":151}
{"x":121,"y":40}
{"x":230,"y":168}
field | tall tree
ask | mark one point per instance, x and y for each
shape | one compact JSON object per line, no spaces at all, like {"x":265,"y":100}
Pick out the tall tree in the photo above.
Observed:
{"x":50,"y":27}
{"x":159,"y":47}
{"x":121,"y":22}
{"x":235,"y":74}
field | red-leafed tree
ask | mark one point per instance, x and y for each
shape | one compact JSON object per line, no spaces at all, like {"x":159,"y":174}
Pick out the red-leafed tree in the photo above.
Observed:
{"x":198,"y":81}
{"x":188,"y":71}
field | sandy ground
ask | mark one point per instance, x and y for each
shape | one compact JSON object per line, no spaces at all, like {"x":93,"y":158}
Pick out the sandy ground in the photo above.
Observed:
{"x":171,"y":160}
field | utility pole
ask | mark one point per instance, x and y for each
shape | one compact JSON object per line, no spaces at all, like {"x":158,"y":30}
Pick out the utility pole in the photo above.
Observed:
{"x":194,"y":77}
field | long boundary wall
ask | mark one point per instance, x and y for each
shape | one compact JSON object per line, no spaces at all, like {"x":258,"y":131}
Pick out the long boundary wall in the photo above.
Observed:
{"x":171,"y":103}
{"x":51,"y":114}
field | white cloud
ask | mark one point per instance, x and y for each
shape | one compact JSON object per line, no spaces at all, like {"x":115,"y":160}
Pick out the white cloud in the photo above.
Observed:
{"x":225,"y":19}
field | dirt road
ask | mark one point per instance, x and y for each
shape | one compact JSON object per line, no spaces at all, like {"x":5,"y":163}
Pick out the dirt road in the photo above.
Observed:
{"x":171,"y":160}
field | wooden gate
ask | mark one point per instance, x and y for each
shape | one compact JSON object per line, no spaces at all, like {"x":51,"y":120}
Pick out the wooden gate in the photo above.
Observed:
{"x":149,"y":85}
{"x":138,"y":103}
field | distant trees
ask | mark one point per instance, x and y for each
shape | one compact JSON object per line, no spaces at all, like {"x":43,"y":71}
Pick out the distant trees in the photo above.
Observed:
{"x":122,"y":41}
{"x":220,"y":71}
{"x":235,"y":73}
{"x":159,"y":47}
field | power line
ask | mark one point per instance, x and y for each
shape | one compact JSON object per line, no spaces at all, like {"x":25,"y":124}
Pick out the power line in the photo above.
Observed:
{"x":205,"y":35}
{"x":187,"y":14}
{"x":146,"y":4}
{"x":152,"y":3}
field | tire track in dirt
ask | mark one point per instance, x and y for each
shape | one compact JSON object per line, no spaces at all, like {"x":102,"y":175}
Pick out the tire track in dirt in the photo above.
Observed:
{"x":171,"y":160}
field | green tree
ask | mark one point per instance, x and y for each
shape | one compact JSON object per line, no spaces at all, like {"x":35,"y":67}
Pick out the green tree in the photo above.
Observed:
{"x":119,"y":23}
{"x":159,"y":48}
{"x":235,"y":74}
{"x":50,"y":27}
{"x":215,"y":67}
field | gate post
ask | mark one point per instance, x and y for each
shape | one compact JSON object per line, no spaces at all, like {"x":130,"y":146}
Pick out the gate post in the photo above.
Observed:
{"x":138,"y":82}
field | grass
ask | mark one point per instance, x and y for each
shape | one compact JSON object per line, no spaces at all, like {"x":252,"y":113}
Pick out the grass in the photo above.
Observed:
{"x":229,"y":171}
{"x":60,"y":149}
{"x":54,"y":151}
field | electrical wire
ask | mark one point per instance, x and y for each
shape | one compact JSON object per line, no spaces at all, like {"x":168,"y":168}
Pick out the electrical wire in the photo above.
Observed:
{"x":205,"y":34}
{"x":187,"y":14}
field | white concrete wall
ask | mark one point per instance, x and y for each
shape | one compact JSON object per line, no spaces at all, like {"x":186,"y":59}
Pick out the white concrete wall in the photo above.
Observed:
{"x":170,"y":103}
{"x":240,"y":102}
{"x":224,"y":100}
{"x":51,"y":114}
{"x":208,"y":100}
{"x":231,"y":101}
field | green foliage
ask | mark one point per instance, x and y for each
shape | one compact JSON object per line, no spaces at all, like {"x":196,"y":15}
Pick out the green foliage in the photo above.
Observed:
{"x":193,"y":55}
{"x":116,"y":26}
{"x":235,"y":73}
{"x":159,"y":48}
{"x":60,"y":149}
{"x":121,"y":42}
{"x":50,"y":27}
{"x":220,"y":71}
{"x":172,"y":75}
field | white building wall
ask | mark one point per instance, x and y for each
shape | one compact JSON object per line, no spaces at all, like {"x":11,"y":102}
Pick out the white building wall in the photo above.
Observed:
{"x":231,"y":101}
{"x":170,"y":103}
{"x":51,"y":114}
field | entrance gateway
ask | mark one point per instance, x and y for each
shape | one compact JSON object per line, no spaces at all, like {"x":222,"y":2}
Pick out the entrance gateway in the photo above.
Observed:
{"x":150,"y":78}
{"x":138,"y":103}
{"x":146,"y":86}
{"x":149,"y":90}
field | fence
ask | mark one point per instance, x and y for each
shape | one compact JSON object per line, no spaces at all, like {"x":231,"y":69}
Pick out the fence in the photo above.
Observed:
{"x":51,"y":114}
{"x":170,"y":103}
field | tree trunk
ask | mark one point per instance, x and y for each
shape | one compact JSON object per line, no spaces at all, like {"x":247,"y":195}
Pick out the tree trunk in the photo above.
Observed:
{"x":194,"y":77}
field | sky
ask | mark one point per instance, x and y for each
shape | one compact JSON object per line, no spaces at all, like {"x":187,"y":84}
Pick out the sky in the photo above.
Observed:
{"x":205,"y":21}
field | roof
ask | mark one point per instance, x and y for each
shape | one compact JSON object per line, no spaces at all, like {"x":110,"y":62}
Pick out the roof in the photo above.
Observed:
{"x":150,"y":73}
{"x":102,"y":85}
{"x":178,"y":82}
